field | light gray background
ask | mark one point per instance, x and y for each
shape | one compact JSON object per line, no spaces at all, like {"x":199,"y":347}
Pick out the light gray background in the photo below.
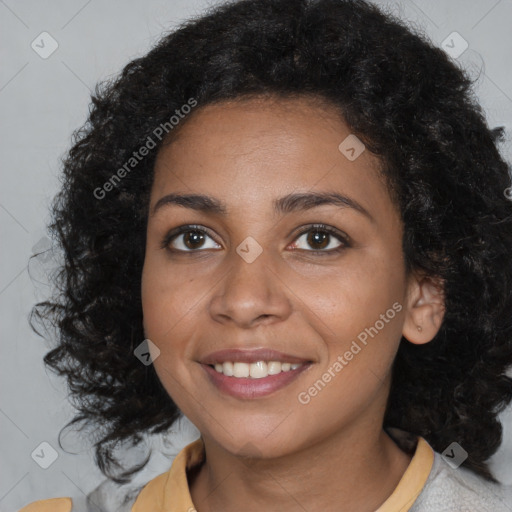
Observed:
{"x":42,"y":101}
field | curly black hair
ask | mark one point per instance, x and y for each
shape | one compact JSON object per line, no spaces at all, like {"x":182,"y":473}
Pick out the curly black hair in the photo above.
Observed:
{"x":409,"y":103}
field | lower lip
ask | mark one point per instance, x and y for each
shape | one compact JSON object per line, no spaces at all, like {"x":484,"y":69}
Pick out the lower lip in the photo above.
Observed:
{"x":242,"y":387}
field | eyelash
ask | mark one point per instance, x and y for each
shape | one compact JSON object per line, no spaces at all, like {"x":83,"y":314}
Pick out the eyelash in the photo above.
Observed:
{"x":314,"y":227}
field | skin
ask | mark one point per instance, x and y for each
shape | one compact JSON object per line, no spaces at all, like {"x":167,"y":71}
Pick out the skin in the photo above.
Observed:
{"x":273,"y":452}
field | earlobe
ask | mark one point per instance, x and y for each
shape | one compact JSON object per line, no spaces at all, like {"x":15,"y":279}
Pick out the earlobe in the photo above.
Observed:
{"x":425,"y":309}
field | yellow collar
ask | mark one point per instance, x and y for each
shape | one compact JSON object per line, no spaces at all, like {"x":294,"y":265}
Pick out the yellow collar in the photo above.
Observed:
{"x":170,"y":492}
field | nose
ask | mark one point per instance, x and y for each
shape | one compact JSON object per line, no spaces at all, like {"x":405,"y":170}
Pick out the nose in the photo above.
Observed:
{"x":251,"y":293}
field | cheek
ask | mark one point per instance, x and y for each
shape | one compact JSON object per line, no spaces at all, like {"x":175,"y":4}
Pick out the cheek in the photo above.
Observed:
{"x":167,"y":298}
{"x":157,"y":302}
{"x":164,"y":303}
{"x":161,"y":312}
{"x":170,"y":303}
{"x":361,"y":309}
{"x":356,"y":295}
{"x":361,"y":318}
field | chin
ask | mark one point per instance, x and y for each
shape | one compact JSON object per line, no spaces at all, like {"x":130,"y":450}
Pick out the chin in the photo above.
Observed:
{"x":253,"y":443}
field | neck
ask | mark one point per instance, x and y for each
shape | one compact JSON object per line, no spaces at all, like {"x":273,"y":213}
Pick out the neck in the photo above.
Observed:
{"x":356,"y":469}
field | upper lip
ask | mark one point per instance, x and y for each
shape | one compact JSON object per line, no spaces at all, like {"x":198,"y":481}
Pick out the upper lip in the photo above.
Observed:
{"x":250,"y":356}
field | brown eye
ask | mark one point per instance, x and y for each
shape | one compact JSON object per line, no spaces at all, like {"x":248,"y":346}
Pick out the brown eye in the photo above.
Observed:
{"x":188,"y":239}
{"x":193,"y":239}
{"x":321,"y":239}
{"x":318,"y":239}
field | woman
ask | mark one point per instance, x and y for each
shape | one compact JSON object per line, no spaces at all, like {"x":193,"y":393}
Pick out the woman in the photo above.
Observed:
{"x":289,"y":222}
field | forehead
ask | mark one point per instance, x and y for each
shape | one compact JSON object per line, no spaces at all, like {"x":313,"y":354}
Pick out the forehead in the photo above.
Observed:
{"x":259,"y":147}
{"x":285,"y":125}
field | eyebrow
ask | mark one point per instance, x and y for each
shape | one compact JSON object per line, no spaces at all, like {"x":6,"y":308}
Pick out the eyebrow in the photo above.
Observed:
{"x":283,"y":205}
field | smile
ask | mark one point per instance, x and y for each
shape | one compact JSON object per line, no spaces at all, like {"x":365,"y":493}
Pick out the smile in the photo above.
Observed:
{"x":257,"y":370}
{"x":252,"y":373}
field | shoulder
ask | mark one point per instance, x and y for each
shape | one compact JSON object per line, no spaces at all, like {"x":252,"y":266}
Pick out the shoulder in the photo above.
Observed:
{"x":460,"y":490}
{"x":52,"y":505}
{"x":109,"y":497}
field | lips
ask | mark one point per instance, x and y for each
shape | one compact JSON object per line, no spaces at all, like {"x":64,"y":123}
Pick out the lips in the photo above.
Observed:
{"x":255,"y":373}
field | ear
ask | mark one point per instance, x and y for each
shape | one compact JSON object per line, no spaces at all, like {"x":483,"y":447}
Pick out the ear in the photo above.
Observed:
{"x":425,"y":308}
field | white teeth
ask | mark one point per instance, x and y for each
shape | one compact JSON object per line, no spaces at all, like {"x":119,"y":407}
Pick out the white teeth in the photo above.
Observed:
{"x":240,"y":370}
{"x":257,"y":370}
{"x":274,"y":367}
{"x":227,"y":368}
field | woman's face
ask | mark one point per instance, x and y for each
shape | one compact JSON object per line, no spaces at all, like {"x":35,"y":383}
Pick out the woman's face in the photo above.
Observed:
{"x":254,"y":273}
